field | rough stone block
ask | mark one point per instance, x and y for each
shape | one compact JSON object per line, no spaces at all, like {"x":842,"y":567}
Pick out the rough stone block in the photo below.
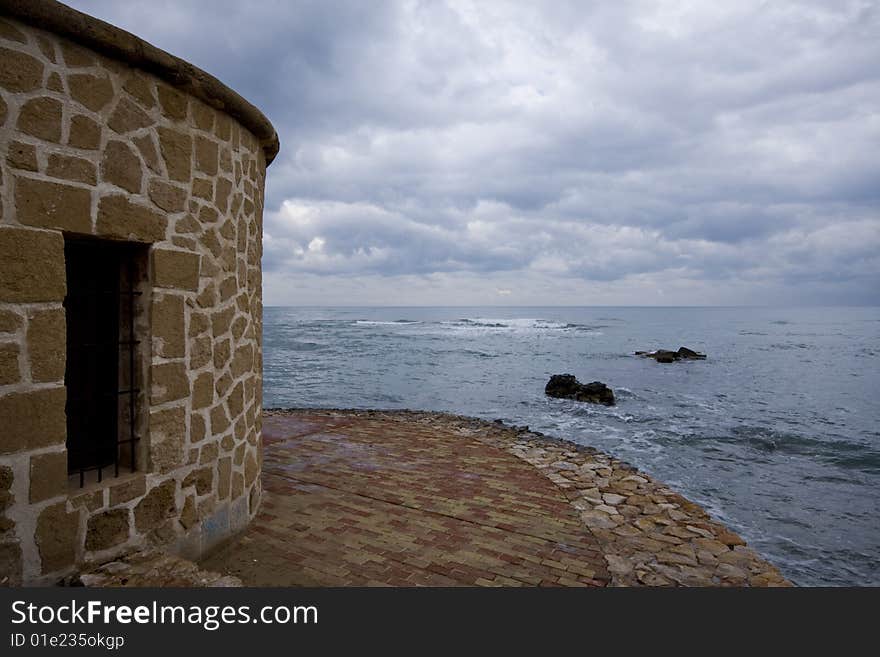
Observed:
{"x":56,"y":537}
{"x":240,"y":428}
{"x":76,"y":56}
{"x":121,"y":166}
{"x":147,"y":148}
{"x":237,"y":485}
{"x":141,"y":89}
{"x":202,"y":479}
{"x":47,"y":343}
{"x":208,"y":453}
{"x":167,"y":437}
{"x":22,"y":156}
{"x":41,"y":118}
{"x":168,"y":383}
{"x":220,"y":321}
{"x":203,"y":117}
{"x":208,"y":215}
{"x":206,"y":155}
{"x":208,"y":297}
{"x":187,"y":225}
{"x":108,"y":529}
{"x":54,"y":83}
{"x":229,"y":230}
{"x":157,"y":506}
{"x":128,"y":490}
{"x":6,"y":477}
{"x":91,"y":501}
{"x":84,"y":133}
{"x":196,"y":428}
{"x":224,"y":479}
{"x":223,"y":127}
{"x":128,"y":117}
{"x":225,"y":159}
{"x":176,"y":150}
{"x":33,"y":266}
{"x":169,"y":331}
{"x":201,"y":352}
{"x":119,"y":217}
{"x":238,"y":327}
{"x":176,"y":269}
{"x":219,"y":420}
{"x":203,"y":390}
{"x":235,"y":400}
{"x":33,"y":419}
{"x":10,"y":322}
{"x":71,"y":168}
{"x":221,"y":194}
{"x":243,"y":361}
{"x":203,"y":188}
{"x":251,"y":468}
{"x":188,"y":516}
{"x":91,"y":91}
{"x":9,"y":369}
{"x":223,"y":383}
{"x":228,"y":288}
{"x":185,"y":243}
{"x":48,"y":476}
{"x":20,"y":72}
{"x":9,"y":32}
{"x":168,"y":197}
{"x":174,"y":104}
{"x":210,"y":240}
{"x":53,"y":205}
{"x":10,"y":562}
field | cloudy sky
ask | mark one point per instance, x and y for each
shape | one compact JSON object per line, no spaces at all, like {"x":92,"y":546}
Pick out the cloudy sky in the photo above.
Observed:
{"x":542,"y":153}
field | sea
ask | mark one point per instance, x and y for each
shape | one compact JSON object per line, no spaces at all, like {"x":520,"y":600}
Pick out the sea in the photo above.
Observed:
{"x":776,"y":433}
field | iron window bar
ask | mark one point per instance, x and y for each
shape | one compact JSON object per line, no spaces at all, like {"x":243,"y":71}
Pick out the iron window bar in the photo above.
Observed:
{"x":95,"y":439}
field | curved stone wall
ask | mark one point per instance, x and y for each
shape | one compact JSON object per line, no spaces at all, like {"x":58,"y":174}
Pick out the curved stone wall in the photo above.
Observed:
{"x":105,"y":146}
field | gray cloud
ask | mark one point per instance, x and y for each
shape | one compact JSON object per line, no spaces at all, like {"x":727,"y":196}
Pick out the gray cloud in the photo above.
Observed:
{"x":626,"y":152}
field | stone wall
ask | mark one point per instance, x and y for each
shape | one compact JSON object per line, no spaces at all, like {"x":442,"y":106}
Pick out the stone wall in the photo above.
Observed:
{"x":90,"y":145}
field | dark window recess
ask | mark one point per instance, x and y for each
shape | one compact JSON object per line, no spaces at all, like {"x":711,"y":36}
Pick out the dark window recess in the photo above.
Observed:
{"x":101,"y":374}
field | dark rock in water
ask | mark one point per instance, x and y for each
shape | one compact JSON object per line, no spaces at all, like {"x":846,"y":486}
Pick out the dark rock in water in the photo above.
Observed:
{"x":666,"y":356}
{"x":690,"y":354}
{"x":566,"y":386}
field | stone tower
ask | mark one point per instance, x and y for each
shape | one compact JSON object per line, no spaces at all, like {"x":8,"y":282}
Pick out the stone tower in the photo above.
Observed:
{"x":130,"y":296}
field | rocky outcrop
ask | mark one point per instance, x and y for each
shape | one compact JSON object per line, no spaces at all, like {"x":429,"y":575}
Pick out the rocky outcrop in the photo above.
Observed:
{"x":666,"y":356}
{"x":149,"y":568}
{"x":566,"y":386}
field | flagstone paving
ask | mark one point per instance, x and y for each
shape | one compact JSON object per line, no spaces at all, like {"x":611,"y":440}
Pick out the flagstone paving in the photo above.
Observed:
{"x":372,"y":498}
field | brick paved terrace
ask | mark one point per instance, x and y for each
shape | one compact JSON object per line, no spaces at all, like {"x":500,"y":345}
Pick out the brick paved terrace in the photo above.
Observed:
{"x":362,"y":498}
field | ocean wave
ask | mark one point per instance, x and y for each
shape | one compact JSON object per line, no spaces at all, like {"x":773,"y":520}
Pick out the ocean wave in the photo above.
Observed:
{"x":296,"y":345}
{"x":785,"y":346}
{"x":375,"y":322}
{"x":518,"y":324}
{"x":842,"y":453}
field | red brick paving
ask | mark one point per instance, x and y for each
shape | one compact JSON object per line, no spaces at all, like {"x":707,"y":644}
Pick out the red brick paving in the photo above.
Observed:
{"x":355,"y":501}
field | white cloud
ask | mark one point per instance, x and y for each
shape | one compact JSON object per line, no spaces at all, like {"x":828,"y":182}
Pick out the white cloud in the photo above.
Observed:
{"x":563,"y":152}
